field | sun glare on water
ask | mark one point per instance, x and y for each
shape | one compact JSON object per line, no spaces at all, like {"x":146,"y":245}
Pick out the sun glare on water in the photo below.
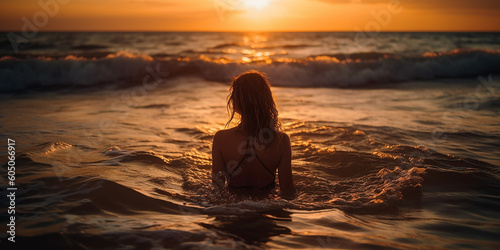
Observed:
{"x":258,"y":4}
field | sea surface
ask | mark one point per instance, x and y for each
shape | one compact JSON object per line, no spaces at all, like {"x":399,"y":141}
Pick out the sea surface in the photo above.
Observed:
{"x":395,"y":140}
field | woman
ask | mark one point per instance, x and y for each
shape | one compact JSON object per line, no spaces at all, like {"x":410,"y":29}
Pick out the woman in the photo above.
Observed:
{"x":248,"y":155}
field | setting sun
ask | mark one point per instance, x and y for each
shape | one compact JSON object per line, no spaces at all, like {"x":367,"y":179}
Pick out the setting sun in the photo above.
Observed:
{"x":249,"y":15}
{"x":259,"y":4}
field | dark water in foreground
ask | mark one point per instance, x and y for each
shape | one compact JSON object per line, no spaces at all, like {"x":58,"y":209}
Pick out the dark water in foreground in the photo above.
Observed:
{"x":111,"y":170}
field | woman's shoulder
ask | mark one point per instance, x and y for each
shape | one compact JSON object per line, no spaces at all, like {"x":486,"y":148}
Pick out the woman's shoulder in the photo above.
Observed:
{"x":225,"y":133}
{"x":284,"y":137}
{"x":282,"y":134}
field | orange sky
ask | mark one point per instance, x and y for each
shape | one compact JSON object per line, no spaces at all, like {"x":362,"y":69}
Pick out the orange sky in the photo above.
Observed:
{"x":239,"y":15}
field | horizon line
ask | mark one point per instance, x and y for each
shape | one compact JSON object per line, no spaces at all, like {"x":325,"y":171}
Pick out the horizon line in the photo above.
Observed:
{"x":263,"y":31}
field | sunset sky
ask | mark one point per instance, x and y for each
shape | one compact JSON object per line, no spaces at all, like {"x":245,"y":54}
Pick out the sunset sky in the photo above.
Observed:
{"x":255,"y":15}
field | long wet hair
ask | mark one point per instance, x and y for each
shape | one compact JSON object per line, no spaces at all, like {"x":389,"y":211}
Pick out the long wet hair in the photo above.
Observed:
{"x":250,"y":95}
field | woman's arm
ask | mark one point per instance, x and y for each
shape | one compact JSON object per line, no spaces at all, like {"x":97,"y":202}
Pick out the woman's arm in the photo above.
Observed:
{"x":217,"y":162}
{"x":287,"y":189}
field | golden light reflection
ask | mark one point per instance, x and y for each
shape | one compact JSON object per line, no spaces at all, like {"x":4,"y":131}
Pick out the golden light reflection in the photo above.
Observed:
{"x":255,"y":41}
{"x":246,"y":59}
{"x":382,"y":155}
{"x":251,"y":56}
{"x":255,"y":50}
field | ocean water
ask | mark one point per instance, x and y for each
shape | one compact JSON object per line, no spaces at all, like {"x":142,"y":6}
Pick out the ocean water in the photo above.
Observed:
{"x":395,"y":140}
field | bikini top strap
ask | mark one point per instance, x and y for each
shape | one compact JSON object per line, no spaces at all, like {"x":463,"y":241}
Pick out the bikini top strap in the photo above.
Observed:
{"x":242,"y":159}
{"x":263,"y":165}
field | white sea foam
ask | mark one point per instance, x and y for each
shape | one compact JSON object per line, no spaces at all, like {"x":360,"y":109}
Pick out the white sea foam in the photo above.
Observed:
{"x":325,"y":71}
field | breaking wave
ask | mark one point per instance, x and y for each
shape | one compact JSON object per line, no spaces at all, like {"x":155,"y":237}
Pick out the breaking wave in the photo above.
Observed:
{"x":28,"y":72}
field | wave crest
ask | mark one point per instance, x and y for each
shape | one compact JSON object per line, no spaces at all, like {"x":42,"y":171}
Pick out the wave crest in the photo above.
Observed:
{"x":355,"y":70}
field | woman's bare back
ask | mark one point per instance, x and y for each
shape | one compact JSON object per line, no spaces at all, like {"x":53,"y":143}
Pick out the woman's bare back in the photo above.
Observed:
{"x":246,"y":162}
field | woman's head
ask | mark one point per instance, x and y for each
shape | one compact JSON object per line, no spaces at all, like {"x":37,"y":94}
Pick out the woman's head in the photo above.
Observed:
{"x":251,"y":97}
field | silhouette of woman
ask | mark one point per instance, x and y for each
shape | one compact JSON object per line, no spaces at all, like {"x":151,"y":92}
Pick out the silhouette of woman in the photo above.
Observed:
{"x":248,"y":155}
